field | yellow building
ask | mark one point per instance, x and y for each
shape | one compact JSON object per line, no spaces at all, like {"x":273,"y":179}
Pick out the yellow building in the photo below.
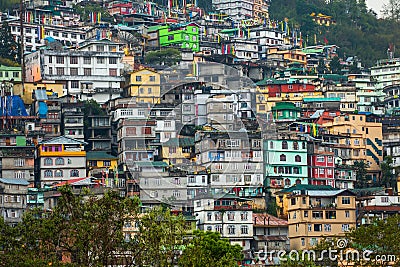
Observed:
{"x":144,"y":86}
{"x":178,"y":150}
{"x":101,"y":164}
{"x":359,"y":140}
{"x":314,"y":215}
{"x":29,"y":88}
{"x":289,"y":56}
{"x":282,"y":197}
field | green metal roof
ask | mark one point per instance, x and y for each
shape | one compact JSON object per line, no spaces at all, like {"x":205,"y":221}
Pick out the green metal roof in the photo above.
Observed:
{"x":271,"y":81}
{"x":99,"y":155}
{"x":181,"y":142}
{"x":321,"y":99}
{"x":307,"y":187}
{"x":151,"y":164}
{"x":285,"y":105}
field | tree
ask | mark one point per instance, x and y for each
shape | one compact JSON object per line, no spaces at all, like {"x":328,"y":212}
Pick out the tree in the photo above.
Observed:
{"x":207,"y":249}
{"x":321,"y":68}
{"x":361,"y":173}
{"x":387,"y":170}
{"x":381,"y":238}
{"x":169,"y":57}
{"x":9,"y":49}
{"x":335,"y":65}
{"x":160,"y":237}
{"x":391,"y":10}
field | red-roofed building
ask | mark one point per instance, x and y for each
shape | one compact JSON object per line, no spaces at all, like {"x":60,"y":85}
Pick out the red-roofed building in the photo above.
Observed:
{"x":270,"y":233}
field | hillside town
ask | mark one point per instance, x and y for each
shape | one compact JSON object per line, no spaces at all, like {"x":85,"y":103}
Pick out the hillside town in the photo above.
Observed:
{"x":230,"y":118}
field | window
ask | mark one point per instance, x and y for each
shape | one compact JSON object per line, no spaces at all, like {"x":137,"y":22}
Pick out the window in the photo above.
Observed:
{"x":244,"y":229}
{"x":345,"y":227}
{"x":345,"y":200}
{"x":271,"y":145}
{"x":295,"y":145}
{"x":73,"y":60}
{"x":100,"y":60}
{"x":73,"y":71}
{"x":317,"y":227}
{"x":231,"y":216}
{"x":74,"y":173}
{"x":59,"y":60}
{"x":244,"y":216}
{"x":282,"y":157}
{"x":152,"y":78}
{"x":112,"y":60}
{"x":320,"y":158}
{"x":131,"y":131}
{"x":217,"y":216}
{"x":296,"y":170}
{"x":87,"y":72}
{"x":48,"y":162}
{"x":59,"y":161}
{"x":284,"y":145}
{"x":347,"y":214}
{"x":60,"y":71}
{"x":327,"y":227}
{"x":138,"y":78}
{"x":100,"y":48}
{"x":330,"y":159}
{"x":106,"y":163}
{"x":146,"y":130}
{"x":48,"y":173}
{"x":113,"y":72}
{"x":218,"y":228}
{"x":306,"y":213}
{"x":149,"y":90}
{"x":209,"y":216}
{"x":58,"y":173}
{"x":19,"y":162}
{"x":231,"y":229}
{"x":74,"y":84}
{"x":297,"y":158}
{"x":87,"y":60}
{"x":303,"y":241}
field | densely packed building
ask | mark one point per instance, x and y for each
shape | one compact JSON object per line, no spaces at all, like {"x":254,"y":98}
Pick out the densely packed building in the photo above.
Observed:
{"x":104,"y":102}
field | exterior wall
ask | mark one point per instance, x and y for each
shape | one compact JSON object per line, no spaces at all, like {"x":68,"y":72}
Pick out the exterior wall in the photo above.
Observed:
{"x":280,"y":173}
{"x":145,"y":86}
{"x":13,"y":201}
{"x":185,"y":36}
{"x":29,"y":88}
{"x":309,"y":219}
{"x":8,"y":73}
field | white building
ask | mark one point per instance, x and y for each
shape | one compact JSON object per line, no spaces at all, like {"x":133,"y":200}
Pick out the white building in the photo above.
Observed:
{"x":266,"y":37}
{"x":229,"y":215}
{"x":239,"y":10}
{"x":92,"y":71}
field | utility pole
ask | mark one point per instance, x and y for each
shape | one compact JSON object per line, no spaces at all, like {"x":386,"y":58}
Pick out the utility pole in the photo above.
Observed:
{"x":21,"y":27}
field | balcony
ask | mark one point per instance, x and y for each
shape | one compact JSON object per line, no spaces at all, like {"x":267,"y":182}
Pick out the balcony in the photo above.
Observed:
{"x":234,"y":207}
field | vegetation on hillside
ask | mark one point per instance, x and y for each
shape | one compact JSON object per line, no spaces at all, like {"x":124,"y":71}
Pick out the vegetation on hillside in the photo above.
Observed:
{"x":358,"y":31}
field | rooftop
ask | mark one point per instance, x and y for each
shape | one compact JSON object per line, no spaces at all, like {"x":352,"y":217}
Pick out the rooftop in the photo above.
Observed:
{"x":99,"y":155}
{"x":14,"y":181}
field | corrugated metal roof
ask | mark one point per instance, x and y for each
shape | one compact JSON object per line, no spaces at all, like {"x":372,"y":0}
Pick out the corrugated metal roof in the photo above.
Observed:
{"x":14,"y":181}
{"x":99,"y":155}
{"x":63,"y":140}
{"x":41,"y":95}
{"x":326,"y":193}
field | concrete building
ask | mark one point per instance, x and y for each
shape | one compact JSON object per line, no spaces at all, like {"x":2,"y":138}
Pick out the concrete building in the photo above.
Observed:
{"x":229,"y":215}
{"x":143,"y":86}
{"x":92,"y":71}
{"x":265,"y":38}
{"x":72,"y":119}
{"x":60,"y":159}
{"x":13,"y":199}
{"x":347,"y":95}
{"x":241,"y":10}
{"x":99,"y":138}
{"x":285,"y":163}
{"x":316,"y":214}
{"x":270,"y":233}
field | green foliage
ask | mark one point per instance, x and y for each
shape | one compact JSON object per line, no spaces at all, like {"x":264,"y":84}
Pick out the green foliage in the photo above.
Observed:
{"x":169,"y":57}
{"x":207,"y":249}
{"x":335,"y":66}
{"x":5,"y":5}
{"x":321,"y":68}
{"x":388,"y":178}
{"x":381,"y":237}
{"x":8,"y":62}
{"x":9,"y":49}
{"x":361,"y":174}
{"x":358,"y":31}
{"x":85,"y":10}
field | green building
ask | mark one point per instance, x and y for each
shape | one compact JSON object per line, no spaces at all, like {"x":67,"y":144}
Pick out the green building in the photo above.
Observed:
{"x":285,"y":111}
{"x":9,"y":72}
{"x":186,"y":36}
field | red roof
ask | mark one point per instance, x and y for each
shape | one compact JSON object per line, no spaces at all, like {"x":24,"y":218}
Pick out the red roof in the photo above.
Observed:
{"x":267,"y":220}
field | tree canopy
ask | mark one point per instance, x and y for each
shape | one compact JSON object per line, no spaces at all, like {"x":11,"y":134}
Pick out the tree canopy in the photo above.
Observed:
{"x":169,"y":57}
{"x":9,"y":49}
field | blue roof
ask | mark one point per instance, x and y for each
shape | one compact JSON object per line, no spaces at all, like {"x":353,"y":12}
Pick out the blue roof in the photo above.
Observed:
{"x":41,"y":95}
{"x":14,"y":181}
{"x":12,"y":106}
{"x":43,"y":110}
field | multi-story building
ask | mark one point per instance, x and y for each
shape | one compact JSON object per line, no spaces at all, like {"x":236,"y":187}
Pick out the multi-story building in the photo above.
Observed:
{"x":386,"y":72}
{"x":233,"y":161}
{"x":13,"y":196}
{"x":92,"y":71}
{"x":241,"y":49}
{"x":143,"y":86}
{"x":285,"y":163}
{"x":266,"y":37}
{"x":240,"y":10}
{"x":60,"y":159}
{"x":48,"y":108}
{"x":321,"y":164}
{"x":102,"y":166}
{"x":347,"y":95}
{"x":392,"y":103}
{"x":178,"y":151}
{"x":99,"y":135}
{"x":229,"y":215}
{"x":270,"y":233}
{"x":360,"y":140}
{"x":10,"y":73}
{"x":222,"y":112}
{"x":319,"y":214}
{"x":185,"y":36}
{"x":377,"y":206}
{"x":72,"y":119}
